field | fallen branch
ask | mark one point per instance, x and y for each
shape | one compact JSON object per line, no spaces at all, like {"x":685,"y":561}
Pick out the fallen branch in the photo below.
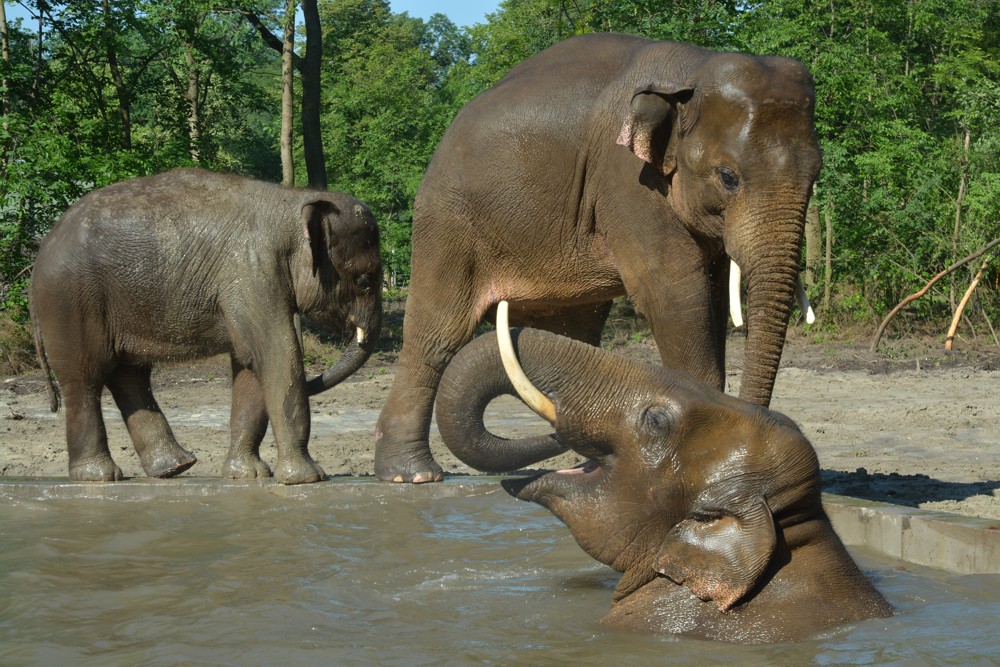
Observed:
{"x":961,"y":305}
{"x":877,"y":338}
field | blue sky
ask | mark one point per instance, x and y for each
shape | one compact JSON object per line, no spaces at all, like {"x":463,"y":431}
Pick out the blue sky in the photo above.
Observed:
{"x":461,"y":12}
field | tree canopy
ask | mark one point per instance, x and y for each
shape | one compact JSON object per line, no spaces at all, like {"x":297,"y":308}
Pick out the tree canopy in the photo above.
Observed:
{"x":908,"y":112}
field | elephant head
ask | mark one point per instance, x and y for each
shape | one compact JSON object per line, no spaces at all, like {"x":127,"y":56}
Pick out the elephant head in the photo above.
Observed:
{"x":708,"y":505}
{"x":734,"y":143}
{"x":339,"y":279}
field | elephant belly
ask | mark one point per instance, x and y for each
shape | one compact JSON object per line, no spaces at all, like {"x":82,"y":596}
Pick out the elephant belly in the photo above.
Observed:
{"x":194,"y":340}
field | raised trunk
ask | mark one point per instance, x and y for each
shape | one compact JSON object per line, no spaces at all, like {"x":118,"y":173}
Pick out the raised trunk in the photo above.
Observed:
{"x":473,"y":379}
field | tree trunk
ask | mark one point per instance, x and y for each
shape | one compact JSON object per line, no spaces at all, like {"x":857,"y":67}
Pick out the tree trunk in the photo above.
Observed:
{"x":959,"y":200}
{"x":813,"y":240}
{"x":194,"y":106}
{"x":5,"y":82}
{"x":124,"y":105}
{"x":288,"y":96}
{"x":828,"y":263}
{"x":312,"y":138}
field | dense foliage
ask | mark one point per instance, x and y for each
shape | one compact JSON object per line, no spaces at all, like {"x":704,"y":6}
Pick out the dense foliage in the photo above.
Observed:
{"x":908,"y":113}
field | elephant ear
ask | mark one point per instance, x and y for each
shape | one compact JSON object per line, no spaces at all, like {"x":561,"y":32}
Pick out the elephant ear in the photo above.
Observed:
{"x":317,"y":228}
{"x":720,"y":558}
{"x":649,"y":122}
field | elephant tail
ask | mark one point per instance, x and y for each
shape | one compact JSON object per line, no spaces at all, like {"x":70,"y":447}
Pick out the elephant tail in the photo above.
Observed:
{"x":36,"y":329}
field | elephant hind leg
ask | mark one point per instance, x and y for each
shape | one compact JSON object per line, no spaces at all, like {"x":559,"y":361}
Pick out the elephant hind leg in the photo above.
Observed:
{"x":86,"y":438}
{"x":152,"y":438}
{"x":247,"y":427}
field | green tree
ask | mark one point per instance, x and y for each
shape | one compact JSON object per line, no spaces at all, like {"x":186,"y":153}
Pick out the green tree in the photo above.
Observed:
{"x":390,"y":92}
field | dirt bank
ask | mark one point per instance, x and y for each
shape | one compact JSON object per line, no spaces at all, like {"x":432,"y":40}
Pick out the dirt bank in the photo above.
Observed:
{"x":913,"y":426}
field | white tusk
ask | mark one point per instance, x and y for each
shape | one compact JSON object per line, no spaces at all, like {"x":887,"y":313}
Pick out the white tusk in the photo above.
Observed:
{"x":533,"y":398}
{"x":361,"y":336}
{"x":735,"y":305}
{"x":803,"y":299}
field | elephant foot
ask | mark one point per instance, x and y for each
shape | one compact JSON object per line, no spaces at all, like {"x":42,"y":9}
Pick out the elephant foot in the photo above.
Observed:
{"x":298,"y":470}
{"x":248,"y":467}
{"x":172,"y":463}
{"x":415,"y":467}
{"x":97,"y":469}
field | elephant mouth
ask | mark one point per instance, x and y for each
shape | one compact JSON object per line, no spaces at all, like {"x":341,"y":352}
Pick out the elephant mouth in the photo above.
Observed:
{"x":555,"y":483}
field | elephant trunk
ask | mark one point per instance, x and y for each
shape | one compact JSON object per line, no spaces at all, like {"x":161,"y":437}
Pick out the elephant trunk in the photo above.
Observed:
{"x":474,"y":378}
{"x":368,"y":323}
{"x":771,"y":283}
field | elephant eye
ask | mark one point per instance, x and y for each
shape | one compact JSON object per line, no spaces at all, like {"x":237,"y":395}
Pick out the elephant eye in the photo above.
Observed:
{"x":730,"y":180}
{"x":658,"y":419}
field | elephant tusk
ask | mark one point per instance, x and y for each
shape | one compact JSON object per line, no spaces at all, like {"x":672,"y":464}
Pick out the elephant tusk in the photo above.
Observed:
{"x":530,"y":394}
{"x":735,"y":305}
{"x":803,"y":299}
{"x":361,"y":336}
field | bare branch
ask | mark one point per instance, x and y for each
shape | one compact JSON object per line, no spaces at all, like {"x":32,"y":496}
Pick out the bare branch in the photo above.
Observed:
{"x":913,"y":297}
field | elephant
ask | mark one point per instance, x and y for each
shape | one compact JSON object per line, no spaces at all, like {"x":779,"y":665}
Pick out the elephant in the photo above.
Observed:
{"x":609,"y":165}
{"x":708,"y":505}
{"x":189,"y":264}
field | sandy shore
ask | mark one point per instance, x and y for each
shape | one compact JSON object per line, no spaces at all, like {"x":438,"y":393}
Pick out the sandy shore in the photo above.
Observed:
{"x":913,"y":426}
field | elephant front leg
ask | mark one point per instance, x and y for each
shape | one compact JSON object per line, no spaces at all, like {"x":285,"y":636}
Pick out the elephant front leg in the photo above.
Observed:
{"x":154,"y":442}
{"x":287,"y":405}
{"x":247,"y":427}
{"x":677,"y":297}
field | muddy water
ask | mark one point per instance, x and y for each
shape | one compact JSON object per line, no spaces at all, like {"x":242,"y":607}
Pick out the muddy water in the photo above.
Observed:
{"x":197,"y":572}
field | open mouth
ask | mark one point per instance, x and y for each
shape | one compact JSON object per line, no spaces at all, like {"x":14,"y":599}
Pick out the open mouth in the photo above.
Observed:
{"x":554,"y":483}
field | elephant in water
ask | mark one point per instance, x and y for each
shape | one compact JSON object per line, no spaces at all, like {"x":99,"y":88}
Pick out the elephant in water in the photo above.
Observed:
{"x":602,"y":166}
{"x":708,"y":505}
{"x":190,"y":264}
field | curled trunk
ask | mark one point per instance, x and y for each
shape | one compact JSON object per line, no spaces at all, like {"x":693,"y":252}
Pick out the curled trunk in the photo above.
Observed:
{"x":473,"y":379}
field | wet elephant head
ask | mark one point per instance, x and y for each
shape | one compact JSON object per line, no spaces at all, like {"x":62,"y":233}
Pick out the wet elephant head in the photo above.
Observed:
{"x":708,"y":505}
{"x":734,"y":143}
{"x":339,"y":282}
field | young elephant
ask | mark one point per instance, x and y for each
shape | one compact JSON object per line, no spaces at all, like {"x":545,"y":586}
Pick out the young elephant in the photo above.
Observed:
{"x":709,"y":505}
{"x":190,"y":264}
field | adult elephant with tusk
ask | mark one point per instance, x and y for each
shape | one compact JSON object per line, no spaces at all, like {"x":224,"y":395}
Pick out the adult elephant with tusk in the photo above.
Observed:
{"x":189,"y":264}
{"x":708,"y":505}
{"x":609,"y":165}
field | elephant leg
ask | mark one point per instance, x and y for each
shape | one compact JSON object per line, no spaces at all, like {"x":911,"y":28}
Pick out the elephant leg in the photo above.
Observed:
{"x":432,"y":334}
{"x":286,"y":402}
{"x":671,"y":286}
{"x":152,"y":438}
{"x":86,"y":438}
{"x":247,"y":427}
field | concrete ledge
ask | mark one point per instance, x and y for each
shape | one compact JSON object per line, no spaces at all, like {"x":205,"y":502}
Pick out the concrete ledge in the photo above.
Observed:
{"x":965,"y":545}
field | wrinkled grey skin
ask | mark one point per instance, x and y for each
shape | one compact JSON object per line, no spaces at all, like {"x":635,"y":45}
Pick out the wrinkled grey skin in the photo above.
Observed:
{"x":708,"y":505}
{"x":190,"y":264}
{"x":609,"y":165}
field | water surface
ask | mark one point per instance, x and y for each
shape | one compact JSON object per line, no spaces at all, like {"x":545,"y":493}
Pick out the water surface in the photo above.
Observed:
{"x":349,"y":572}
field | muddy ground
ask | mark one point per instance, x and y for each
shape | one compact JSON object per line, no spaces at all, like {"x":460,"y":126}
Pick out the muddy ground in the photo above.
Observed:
{"x":913,"y":425}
